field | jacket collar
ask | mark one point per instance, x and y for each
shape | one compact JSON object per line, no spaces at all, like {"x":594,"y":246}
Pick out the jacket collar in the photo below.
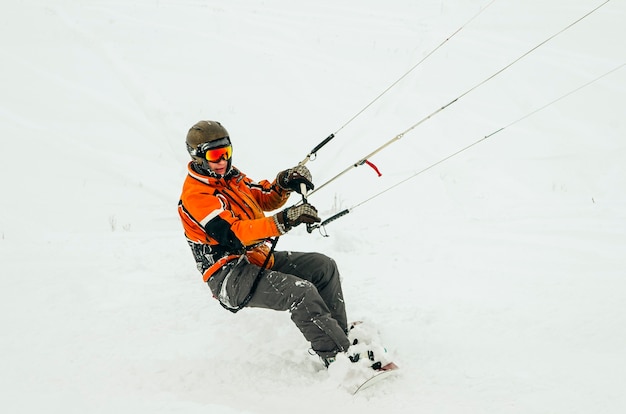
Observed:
{"x":213,"y":180}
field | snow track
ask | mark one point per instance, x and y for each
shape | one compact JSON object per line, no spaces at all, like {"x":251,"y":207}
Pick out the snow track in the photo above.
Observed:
{"x":496,"y":279}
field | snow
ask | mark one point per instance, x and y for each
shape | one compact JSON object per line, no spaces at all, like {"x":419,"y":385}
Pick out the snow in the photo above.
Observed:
{"x":496,"y":278}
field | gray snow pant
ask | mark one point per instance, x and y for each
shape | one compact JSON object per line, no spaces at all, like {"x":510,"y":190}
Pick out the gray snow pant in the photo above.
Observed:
{"x":305,"y":284}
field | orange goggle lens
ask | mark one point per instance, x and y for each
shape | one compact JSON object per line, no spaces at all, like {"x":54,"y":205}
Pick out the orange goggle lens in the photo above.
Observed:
{"x":216,"y":154}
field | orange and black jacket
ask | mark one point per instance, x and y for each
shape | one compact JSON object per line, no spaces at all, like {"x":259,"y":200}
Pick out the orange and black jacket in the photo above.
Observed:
{"x":224,"y":218}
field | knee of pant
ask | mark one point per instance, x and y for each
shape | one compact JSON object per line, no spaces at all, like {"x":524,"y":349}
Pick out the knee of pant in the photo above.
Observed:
{"x":306,"y":288}
{"x":327,"y":269}
{"x":304,"y":293}
{"x":322,"y":262}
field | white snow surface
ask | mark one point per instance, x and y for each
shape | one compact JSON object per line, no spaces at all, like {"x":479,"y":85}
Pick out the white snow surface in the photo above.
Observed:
{"x":496,"y":279}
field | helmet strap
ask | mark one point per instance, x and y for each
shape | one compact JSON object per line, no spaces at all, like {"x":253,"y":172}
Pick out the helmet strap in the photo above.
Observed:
{"x":204,"y":169}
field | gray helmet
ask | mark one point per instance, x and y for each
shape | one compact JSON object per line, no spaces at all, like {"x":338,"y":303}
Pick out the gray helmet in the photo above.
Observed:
{"x":204,"y":136}
{"x":204,"y":132}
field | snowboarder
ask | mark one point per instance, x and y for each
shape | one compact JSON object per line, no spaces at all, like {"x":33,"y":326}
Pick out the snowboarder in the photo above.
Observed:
{"x":222,"y":212}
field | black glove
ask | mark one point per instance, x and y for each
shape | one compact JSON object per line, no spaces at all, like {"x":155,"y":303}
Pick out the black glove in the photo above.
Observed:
{"x":292,"y":178}
{"x":292,"y":216}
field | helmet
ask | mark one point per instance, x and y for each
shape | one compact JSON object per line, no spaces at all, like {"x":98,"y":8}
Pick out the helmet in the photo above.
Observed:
{"x":201,"y":134}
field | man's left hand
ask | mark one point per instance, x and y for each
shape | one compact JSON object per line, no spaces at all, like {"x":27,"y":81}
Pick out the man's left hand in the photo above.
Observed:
{"x":292,"y":178}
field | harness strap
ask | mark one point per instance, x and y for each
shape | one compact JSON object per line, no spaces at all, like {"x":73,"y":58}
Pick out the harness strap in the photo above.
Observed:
{"x":255,"y":284}
{"x":217,"y":265}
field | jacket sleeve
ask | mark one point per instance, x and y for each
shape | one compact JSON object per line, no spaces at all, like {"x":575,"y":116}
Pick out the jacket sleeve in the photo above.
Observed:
{"x":269,"y":195}
{"x":208,"y":215}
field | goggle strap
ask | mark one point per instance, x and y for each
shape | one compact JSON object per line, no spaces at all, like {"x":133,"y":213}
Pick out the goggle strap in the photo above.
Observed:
{"x":222,"y":142}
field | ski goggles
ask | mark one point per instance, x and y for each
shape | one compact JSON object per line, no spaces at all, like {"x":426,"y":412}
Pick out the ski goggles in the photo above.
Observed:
{"x":215,"y":151}
{"x":216,"y":154}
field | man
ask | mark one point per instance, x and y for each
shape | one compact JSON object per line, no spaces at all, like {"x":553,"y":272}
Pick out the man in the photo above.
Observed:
{"x":222,"y":212}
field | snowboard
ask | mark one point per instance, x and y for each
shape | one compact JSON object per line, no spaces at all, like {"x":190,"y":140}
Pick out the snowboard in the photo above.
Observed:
{"x":379,"y":375}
